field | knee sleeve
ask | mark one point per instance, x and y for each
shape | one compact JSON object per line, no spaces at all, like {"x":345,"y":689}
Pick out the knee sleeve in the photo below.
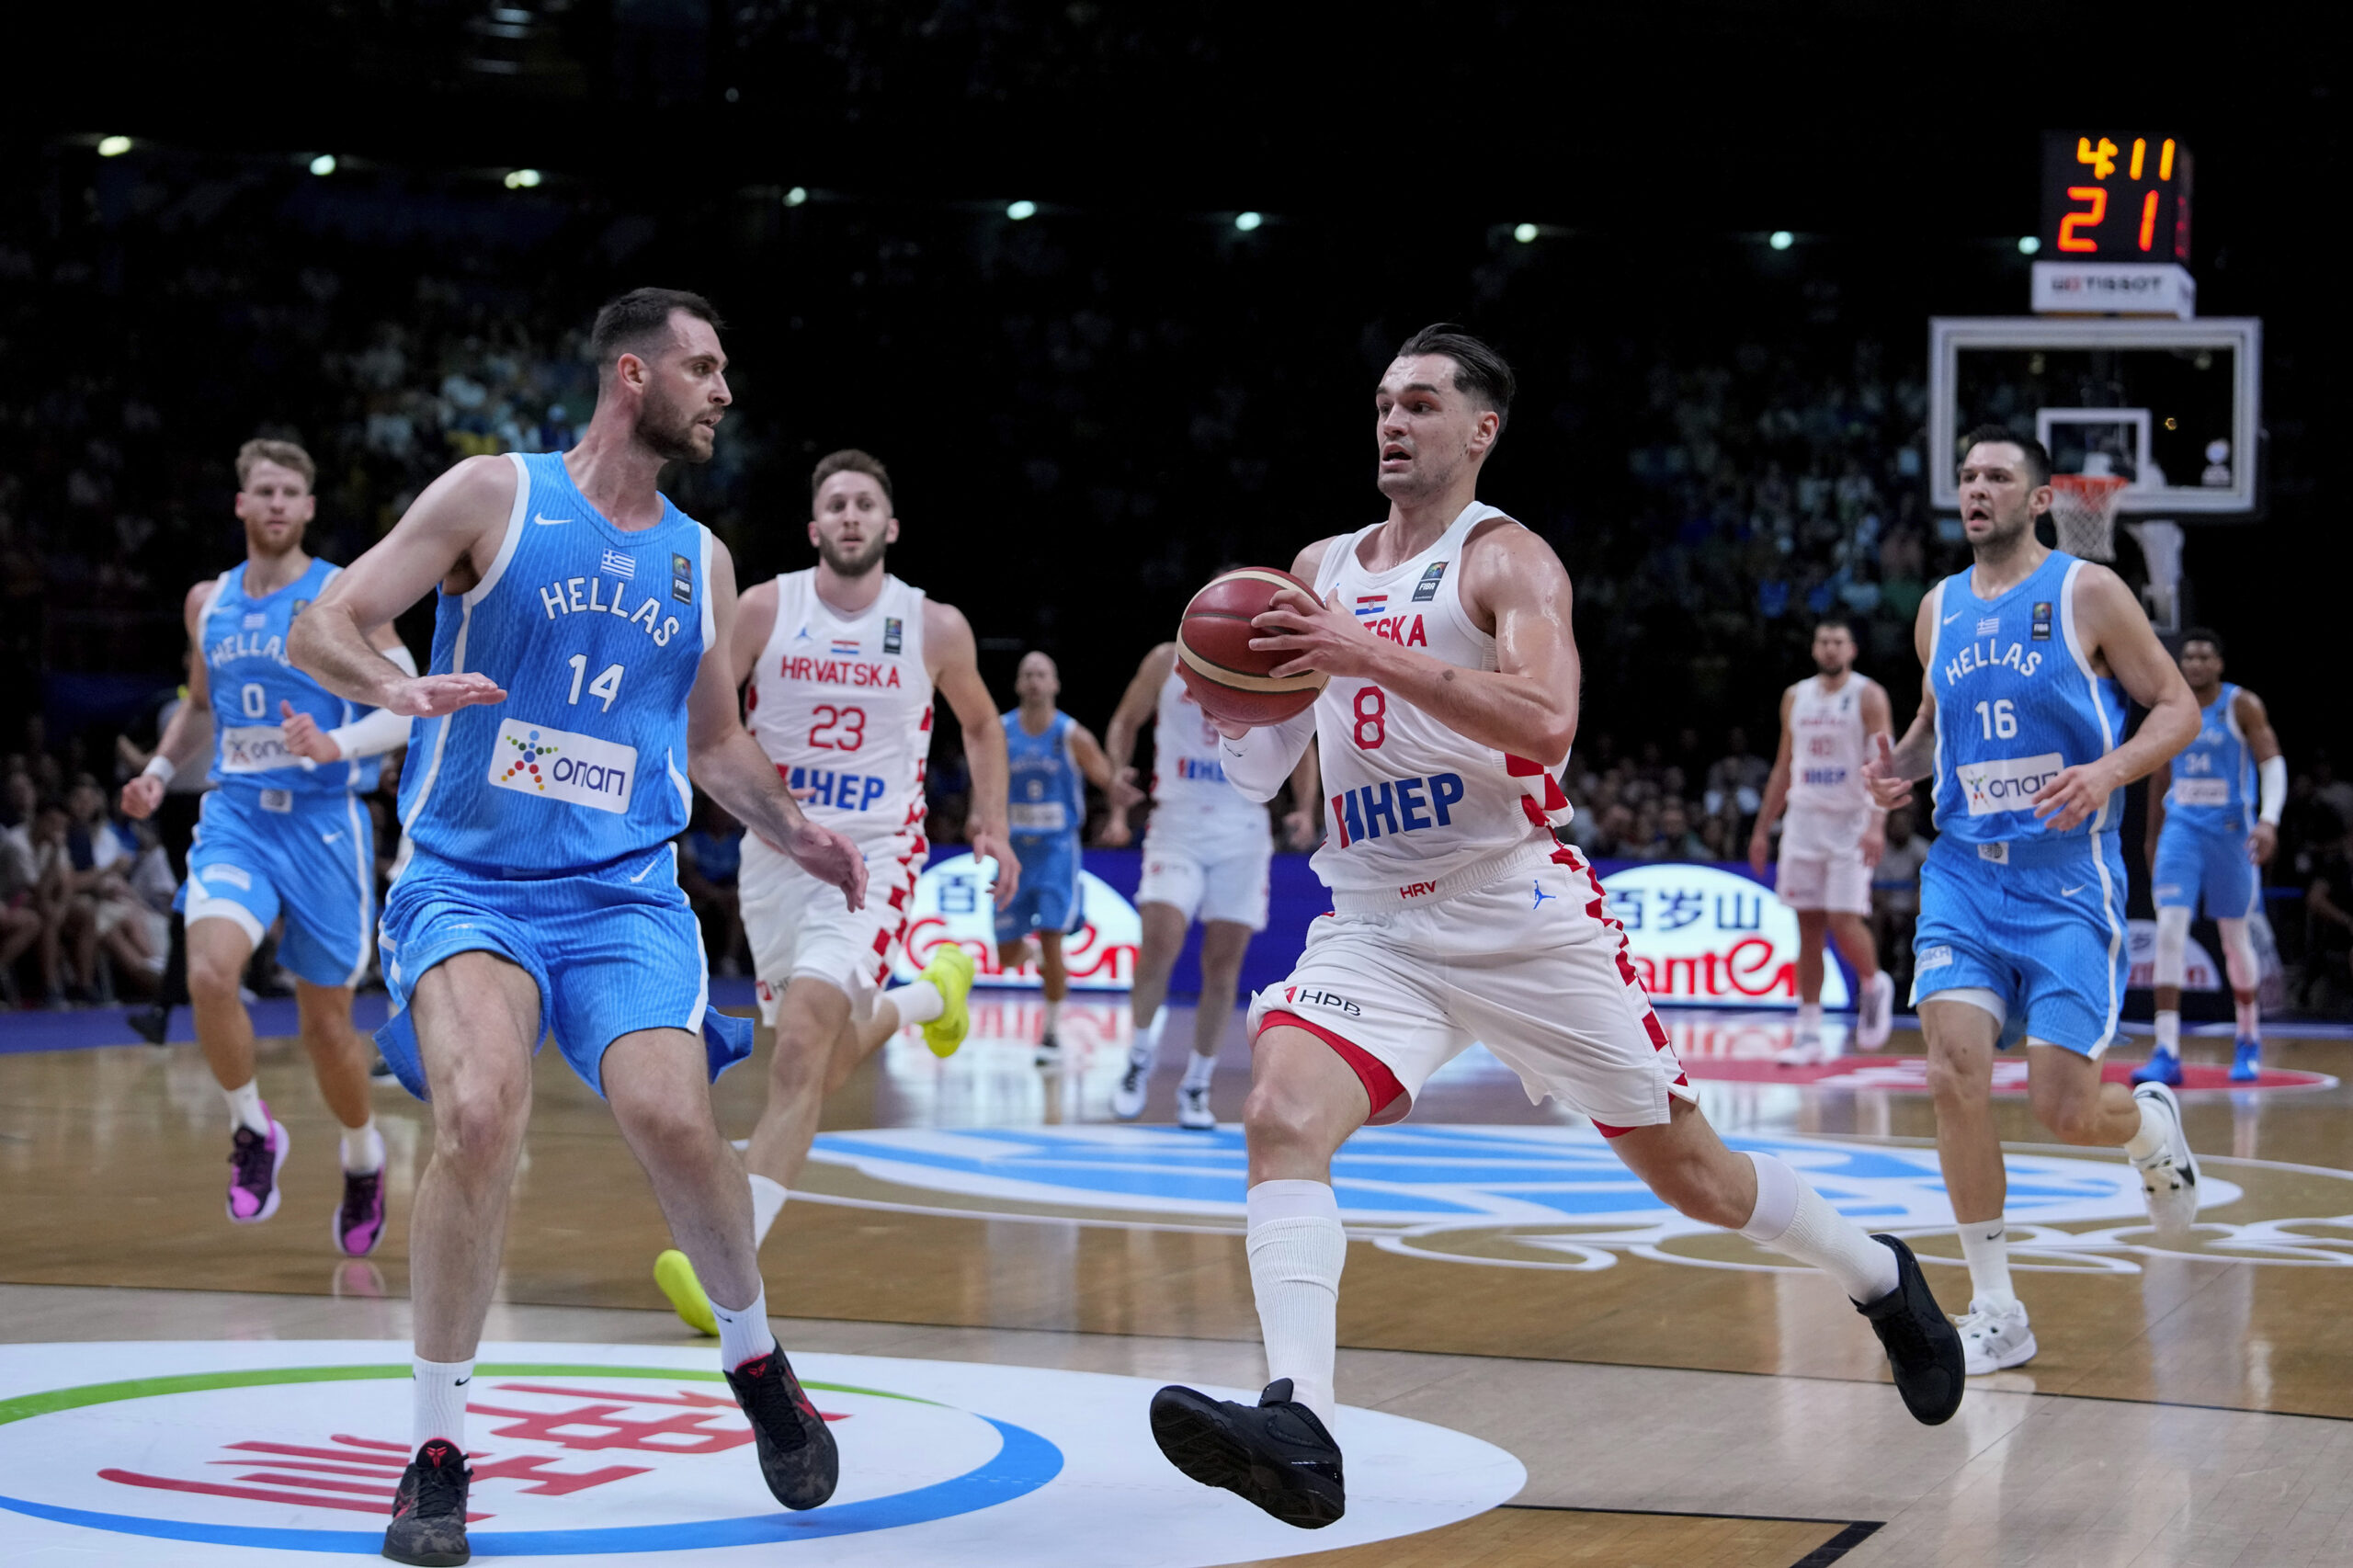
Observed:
{"x":2173,"y":945}
{"x":2238,"y":955}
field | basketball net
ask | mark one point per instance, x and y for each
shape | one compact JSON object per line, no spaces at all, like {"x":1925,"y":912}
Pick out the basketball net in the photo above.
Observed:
{"x":2083,"y":510}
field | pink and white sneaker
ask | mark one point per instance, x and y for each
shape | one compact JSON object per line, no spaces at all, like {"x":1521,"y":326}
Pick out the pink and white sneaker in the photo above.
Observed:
{"x":359,"y":1221}
{"x":253,"y":1162}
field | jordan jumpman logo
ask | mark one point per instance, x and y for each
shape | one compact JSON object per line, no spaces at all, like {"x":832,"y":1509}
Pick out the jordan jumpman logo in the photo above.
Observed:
{"x":1540,"y":895}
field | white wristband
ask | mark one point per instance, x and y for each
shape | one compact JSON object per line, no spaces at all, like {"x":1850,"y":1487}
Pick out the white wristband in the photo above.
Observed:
{"x":159,"y":766}
{"x":2274,"y":775}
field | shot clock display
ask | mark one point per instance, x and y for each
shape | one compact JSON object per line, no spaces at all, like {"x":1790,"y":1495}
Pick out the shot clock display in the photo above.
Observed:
{"x":2115,"y":196}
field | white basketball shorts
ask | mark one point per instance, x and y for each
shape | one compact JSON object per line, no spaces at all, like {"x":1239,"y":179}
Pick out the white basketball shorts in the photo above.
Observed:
{"x":1821,"y":863}
{"x":1207,"y":881}
{"x":798,"y":926}
{"x":1527,"y":963}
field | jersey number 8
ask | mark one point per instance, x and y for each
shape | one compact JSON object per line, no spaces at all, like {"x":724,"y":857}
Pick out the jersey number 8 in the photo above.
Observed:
{"x":1371,"y":711}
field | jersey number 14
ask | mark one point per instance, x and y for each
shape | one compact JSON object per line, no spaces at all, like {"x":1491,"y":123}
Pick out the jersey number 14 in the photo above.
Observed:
{"x":607,"y":685}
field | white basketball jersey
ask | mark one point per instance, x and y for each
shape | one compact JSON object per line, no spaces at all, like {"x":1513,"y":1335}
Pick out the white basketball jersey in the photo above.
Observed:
{"x":1826,"y":748}
{"x":1411,"y":801}
{"x":1193,"y":807}
{"x":843,"y":708}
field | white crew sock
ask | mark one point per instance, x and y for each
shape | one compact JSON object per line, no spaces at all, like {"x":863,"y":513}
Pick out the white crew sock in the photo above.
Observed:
{"x":438,"y":1402}
{"x":1791,"y":1218}
{"x":1053,"y":1016}
{"x":363,"y":1149}
{"x":246,"y":1108}
{"x":768,"y":1202}
{"x":1297,"y":1250}
{"x":1809,"y":1018}
{"x":1146,"y":1048}
{"x":1986,"y":1244}
{"x":2250,"y":1019}
{"x":1198,"y":1070}
{"x":917,"y":1003}
{"x":2150,"y":1141}
{"x":743,"y":1333}
{"x":2169,"y":1032}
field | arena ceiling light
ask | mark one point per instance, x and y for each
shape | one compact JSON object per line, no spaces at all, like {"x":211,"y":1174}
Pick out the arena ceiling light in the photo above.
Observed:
{"x":324,"y":164}
{"x":113,"y":146}
{"x":1020,"y":211}
{"x":1525,"y":233}
{"x":1247,"y":222}
{"x":2028,"y":244}
{"x":796,"y":196}
{"x":1780,"y":239}
{"x":522,"y":179}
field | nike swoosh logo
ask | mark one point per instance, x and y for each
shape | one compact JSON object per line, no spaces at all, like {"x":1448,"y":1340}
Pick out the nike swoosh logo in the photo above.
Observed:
{"x":649,"y":870}
{"x":1949,"y":619}
{"x":329,"y":838}
{"x":2070,"y":892}
{"x":549,"y":522}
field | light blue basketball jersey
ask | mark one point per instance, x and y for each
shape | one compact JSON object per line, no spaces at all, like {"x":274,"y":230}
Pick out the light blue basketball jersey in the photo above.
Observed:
{"x":244,"y":638}
{"x":596,"y":634}
{"x":2213,"y":776}
{"x":2017,"y":701}
{"x":1047,"y":795}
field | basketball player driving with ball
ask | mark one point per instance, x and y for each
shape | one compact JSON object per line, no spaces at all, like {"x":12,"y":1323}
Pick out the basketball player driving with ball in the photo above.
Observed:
{"x":1444,"y":634}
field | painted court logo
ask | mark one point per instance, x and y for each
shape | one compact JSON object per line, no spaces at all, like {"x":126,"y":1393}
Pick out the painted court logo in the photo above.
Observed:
{"x":538,"y":759}
{"x":596,"y":1452}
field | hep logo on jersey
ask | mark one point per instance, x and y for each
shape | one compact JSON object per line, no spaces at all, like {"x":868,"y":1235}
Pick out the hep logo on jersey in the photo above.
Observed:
{"x":1401,"y":805}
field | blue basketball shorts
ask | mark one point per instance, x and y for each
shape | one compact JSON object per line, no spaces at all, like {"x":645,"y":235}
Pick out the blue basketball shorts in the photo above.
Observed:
{"x":1048,"y":898}
{"x":613,"y":951}
{"x":2193,"y":859}
{"x":2043,"y":931}
{"x":259,"y":854}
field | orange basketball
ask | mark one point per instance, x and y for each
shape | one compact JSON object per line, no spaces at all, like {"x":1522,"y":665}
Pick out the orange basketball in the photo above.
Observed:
{"x":1224,"y":674}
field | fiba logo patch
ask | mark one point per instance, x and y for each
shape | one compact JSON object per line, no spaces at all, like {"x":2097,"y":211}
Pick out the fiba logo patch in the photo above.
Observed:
{"x":581,"y":770}
{"x":527,"y":763}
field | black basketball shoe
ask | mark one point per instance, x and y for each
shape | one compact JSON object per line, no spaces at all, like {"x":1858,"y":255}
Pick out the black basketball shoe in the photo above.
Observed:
{"x":150,"y":1024}
{"x":1276,"y":1453}
{"x":1923,"y":1346}
{"x":429,"y":1523}
{"x":797,"y":1454}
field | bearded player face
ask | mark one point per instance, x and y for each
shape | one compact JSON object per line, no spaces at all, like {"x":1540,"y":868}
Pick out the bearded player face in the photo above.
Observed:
{"x":853,"y":525}
{"x":682,"y":390}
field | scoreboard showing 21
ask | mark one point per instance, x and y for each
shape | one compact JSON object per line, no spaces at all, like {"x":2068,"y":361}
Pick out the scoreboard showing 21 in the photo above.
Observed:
{"x":2113,"y":196}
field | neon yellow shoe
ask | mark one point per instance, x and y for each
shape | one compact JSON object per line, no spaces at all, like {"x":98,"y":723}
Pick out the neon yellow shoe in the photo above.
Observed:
{"x":677,"y":1278}
{"x":950,"y":971}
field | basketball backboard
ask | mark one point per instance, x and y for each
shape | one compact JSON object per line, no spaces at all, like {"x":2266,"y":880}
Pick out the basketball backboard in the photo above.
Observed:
{"x":2174,"y":406}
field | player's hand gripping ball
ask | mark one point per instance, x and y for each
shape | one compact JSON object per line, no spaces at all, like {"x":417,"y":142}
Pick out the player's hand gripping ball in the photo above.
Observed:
{"x":1225,"y":676}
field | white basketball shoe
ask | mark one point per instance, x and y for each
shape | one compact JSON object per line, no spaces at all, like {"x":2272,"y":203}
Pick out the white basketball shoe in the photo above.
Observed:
{"x":1876,"y":1017}
{"x":1995,"y":1336}
{"x":1134,"y":1088}
{"x":2169,"y":1176}
{"x":1193,"y":1108}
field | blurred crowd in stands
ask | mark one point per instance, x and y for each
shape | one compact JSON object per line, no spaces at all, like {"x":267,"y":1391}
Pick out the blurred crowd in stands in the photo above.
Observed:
{"x":1713,"y":477}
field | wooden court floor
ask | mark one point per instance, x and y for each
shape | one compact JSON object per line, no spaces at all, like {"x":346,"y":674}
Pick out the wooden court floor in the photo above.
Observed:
{"x":115,"y":1161}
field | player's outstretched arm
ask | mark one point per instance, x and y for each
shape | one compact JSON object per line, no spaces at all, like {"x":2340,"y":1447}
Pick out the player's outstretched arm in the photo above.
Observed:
{"x":1776,"y":790}
{"x":2113,"y":628}
{"x":378,"y":732}
{"x":451,"y":535}
{"x":1303,"y":824}
{"x":2271,"y":767}
{"x":1889,"y":770}
{"x":188,"y":735}
{"x":1527,"y":706}
{"x":956,"y":675}
{"x":1138,"y":706}
{"x":1096,"y":768}
{"x":723,"y":758}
